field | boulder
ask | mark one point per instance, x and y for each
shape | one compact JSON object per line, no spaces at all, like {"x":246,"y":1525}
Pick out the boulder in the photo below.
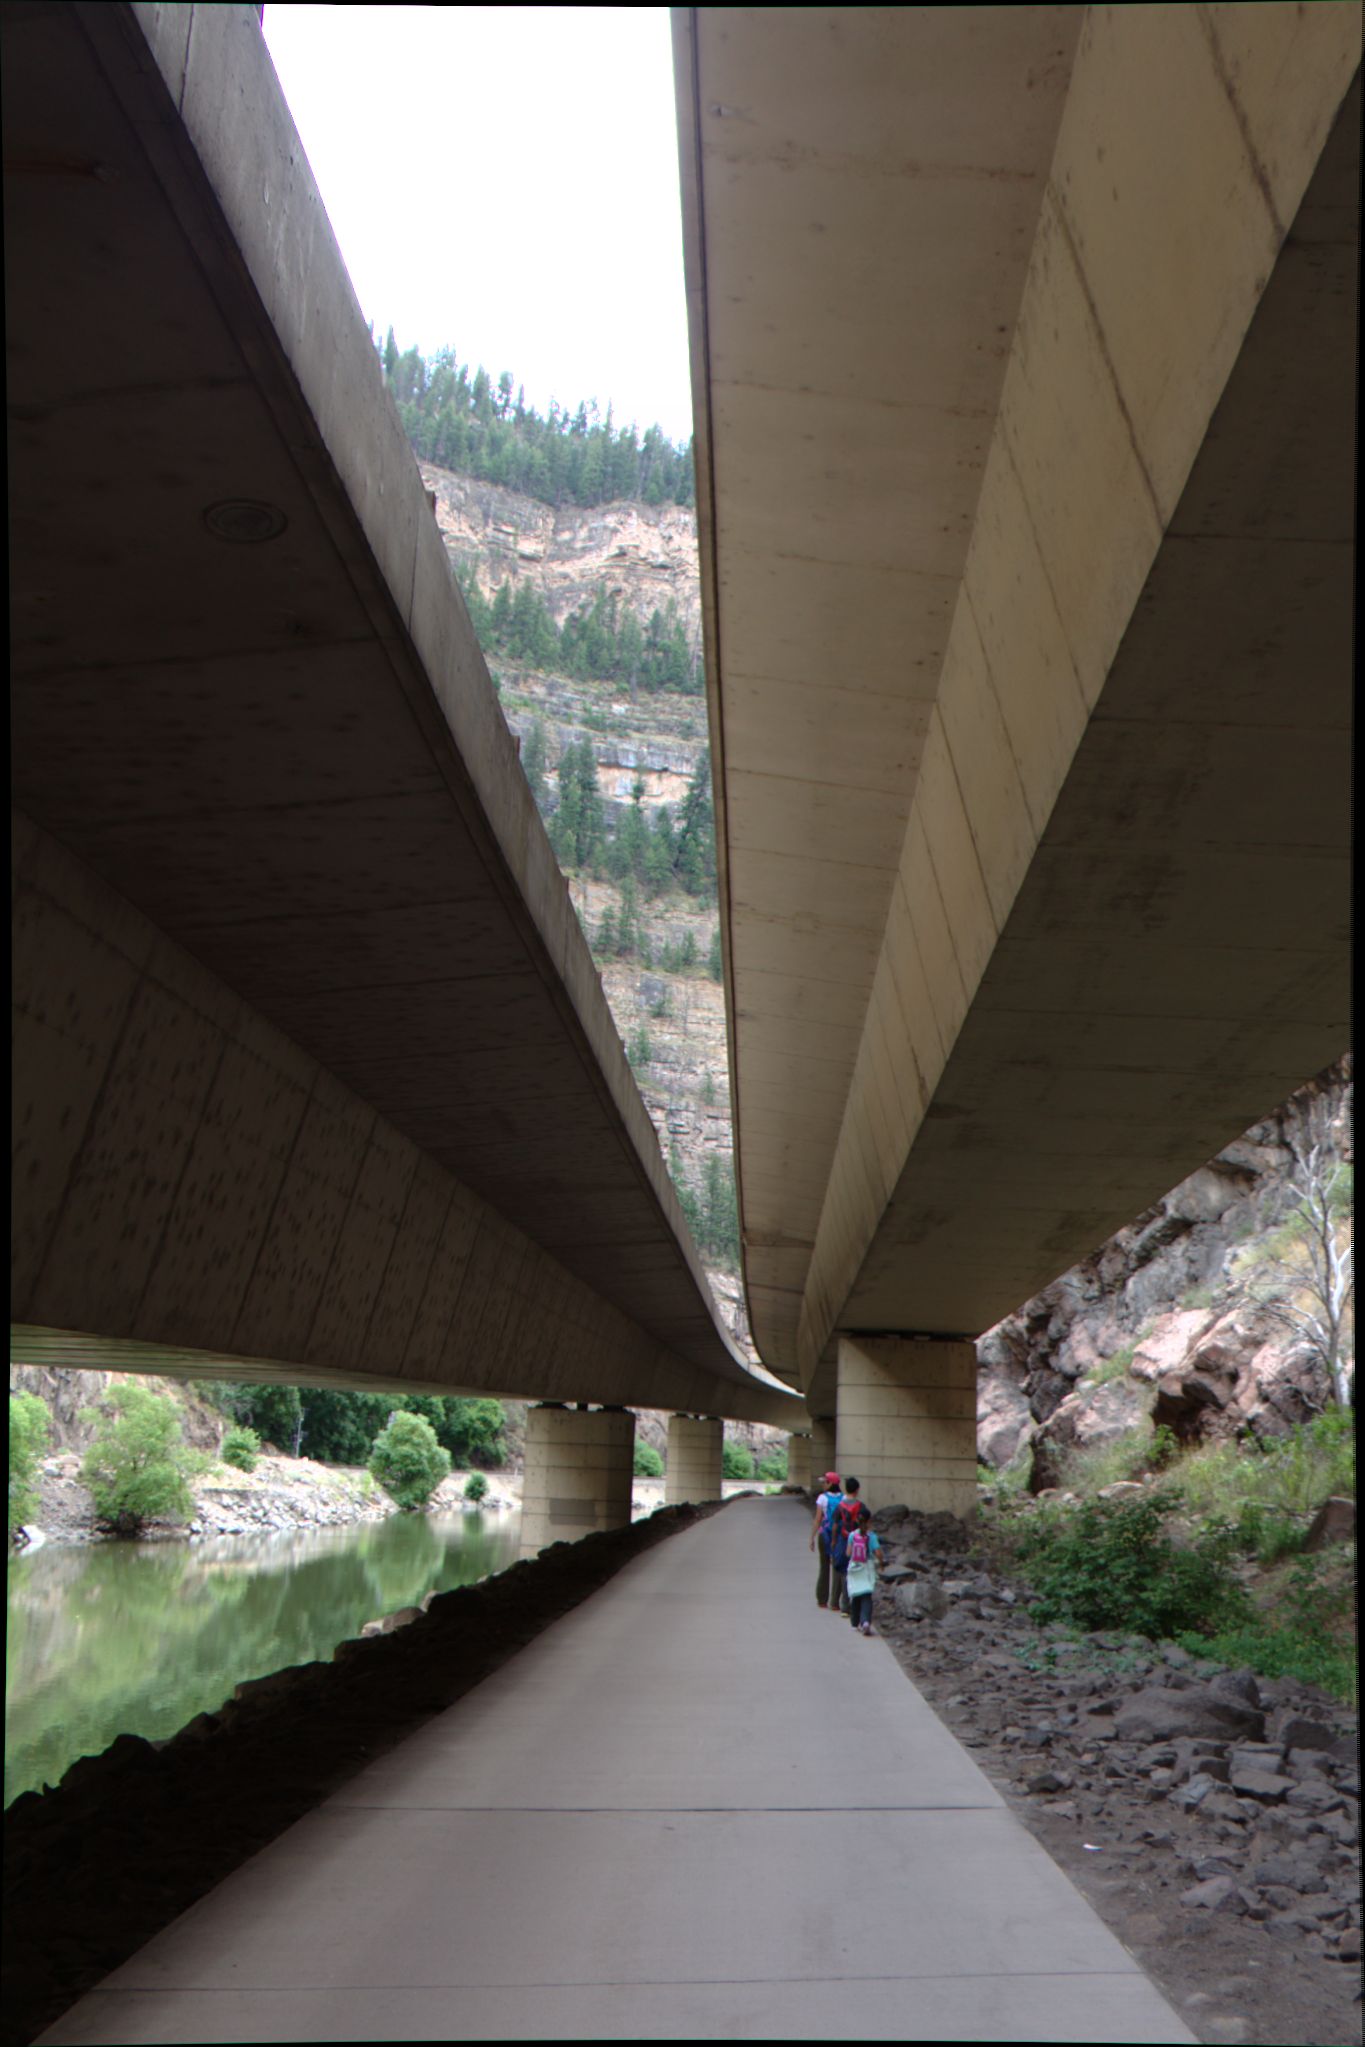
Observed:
{"x":1295,"y":1730}
{"x":1215,"y":1894}
{"x":1159,"y":1713}
{"x":924,"y":1600}
{"x":1237,"y":1684}
{"x":1248,"y":1780}
{"x":1167,"y":1347}
{"x":1003,"y":1419}
{"x":1089,"y":1416}
{"x":1204,"y":1197}
{"x":1004,"y":1350}
{"x":1335,"y":1521}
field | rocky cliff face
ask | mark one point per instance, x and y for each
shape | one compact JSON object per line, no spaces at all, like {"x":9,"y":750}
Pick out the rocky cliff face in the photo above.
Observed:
{"x":1185,"y":1319}
{"x":647,"y":554}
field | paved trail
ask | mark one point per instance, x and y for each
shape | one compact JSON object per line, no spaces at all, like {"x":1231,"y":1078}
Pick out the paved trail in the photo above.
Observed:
{"x":631,"y":1831}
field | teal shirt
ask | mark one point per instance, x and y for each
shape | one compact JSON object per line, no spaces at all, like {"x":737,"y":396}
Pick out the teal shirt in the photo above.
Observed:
{"x":862,"y":1577}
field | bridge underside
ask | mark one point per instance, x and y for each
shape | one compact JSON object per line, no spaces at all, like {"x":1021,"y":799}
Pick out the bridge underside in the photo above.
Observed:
{"x":1024,"y":351}
{"x":314,"y":1073}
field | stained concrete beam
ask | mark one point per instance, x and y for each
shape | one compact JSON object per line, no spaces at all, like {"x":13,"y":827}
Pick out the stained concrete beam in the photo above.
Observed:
{"x":270,"y":733}
{"x":194,"y":1194}
{"x":1083,"y":586}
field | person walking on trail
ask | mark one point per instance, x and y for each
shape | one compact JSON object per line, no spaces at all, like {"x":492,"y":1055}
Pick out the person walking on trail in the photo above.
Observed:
{"x":861,"y":1574}
{"x":826,"y":1506}
{"x":842,"y":1523}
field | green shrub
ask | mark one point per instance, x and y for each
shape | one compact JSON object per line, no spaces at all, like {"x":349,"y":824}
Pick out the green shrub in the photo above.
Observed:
{"x":138,"y":1466}
{"x":639,"y":1050}
{"x":408,"y":1461}
{"x":29,"y":1431}
{"x":773,"y":1467}
{"x":1307,"y":1633}
{"x":475,"y":1486}
{"x":648,"y":1462}
{"x":1110,"y":1564}
{"x":736,"y":1461}
{"x":241,"y":1448}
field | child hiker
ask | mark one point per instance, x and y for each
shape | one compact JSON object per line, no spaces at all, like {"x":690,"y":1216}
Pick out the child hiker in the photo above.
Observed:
{"x":862,"y":1571}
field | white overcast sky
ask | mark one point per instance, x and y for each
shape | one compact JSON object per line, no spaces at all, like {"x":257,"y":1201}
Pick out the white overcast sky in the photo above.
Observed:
{"x":504,"y":181}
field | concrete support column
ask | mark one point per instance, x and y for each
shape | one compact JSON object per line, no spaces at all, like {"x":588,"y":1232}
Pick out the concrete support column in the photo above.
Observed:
{"x":694,"y":1468}
{"x":907,"y":1421}
{"x":799,"y":1461}
{"x":822,"y":1448}
{"x":579,"y":1469}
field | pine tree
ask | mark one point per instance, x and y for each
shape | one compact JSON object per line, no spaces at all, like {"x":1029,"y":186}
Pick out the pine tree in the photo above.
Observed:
{"x":696,"y":858}
{"x":533,"y":762}
{"x":591,"y":825}
{"x":628,"y":921}
{"x":565,"y":826}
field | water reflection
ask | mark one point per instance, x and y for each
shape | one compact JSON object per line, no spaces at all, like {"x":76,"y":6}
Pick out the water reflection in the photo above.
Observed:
{"x":136,"y":1638}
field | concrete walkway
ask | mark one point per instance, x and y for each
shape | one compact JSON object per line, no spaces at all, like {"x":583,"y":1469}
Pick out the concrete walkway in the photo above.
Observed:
{"x":696,"y":1807}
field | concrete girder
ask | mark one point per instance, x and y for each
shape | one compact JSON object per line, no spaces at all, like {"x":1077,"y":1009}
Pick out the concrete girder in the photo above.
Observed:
{"x":247,"y":702}
{"x":195,"y":1195}
{"x":1035,"y":950}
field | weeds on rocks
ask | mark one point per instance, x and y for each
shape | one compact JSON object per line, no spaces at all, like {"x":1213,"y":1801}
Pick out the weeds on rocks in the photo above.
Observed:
{"x":1302,"y":1627}
{"x":1263,"y":1486}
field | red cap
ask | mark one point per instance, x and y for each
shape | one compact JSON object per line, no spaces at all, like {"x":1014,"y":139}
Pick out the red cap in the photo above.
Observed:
{"x":831,"y":1478}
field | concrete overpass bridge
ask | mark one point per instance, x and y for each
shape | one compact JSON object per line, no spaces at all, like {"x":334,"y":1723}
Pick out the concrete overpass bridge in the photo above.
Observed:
{"x":1027,"y":547}
{"x":1024,"y":346}
{"x":314,"y":1074}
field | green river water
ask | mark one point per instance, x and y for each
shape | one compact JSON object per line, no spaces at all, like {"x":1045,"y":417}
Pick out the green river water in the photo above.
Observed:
{"x":137,"y":1637}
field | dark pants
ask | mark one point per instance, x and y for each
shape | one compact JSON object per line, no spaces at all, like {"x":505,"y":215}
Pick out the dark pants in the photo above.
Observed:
{"x":860,"y":1609}
{"x":829,"y":1583}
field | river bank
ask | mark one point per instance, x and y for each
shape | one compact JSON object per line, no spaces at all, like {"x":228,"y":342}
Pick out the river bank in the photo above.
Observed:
{"x":281,"y":1494}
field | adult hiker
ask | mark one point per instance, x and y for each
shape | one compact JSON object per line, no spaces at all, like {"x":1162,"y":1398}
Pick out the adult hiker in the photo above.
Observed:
{"x":842,"y":1522}
{"x":826,"y":1506}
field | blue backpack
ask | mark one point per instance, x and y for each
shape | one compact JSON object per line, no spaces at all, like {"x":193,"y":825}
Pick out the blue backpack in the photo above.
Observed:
{"x":833,"y":1502}
{"x":842,"y":1524}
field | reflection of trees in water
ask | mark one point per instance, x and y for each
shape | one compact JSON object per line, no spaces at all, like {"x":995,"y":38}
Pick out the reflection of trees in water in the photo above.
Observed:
{"x":139,"y":1637}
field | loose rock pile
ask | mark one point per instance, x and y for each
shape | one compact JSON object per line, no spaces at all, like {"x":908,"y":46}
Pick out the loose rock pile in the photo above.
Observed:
{"x":1195,"y":1801}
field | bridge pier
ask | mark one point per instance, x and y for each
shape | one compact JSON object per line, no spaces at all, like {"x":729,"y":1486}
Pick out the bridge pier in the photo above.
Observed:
{"x":578,"y":1474}
{"x":822,"y":1448}
{"x":799,"y":1461}
{"x":907,"y":1421}
{"x":694,"y":1458}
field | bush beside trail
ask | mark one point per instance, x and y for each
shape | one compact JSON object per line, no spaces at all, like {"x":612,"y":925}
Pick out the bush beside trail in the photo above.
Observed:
{"x":1210,"y":1550}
